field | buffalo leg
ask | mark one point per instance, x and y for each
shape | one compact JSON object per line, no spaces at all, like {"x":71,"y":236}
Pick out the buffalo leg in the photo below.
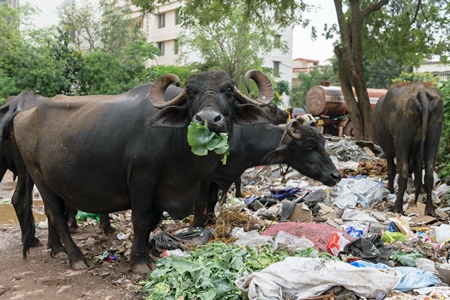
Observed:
{"x":22,"y":200}
{"x":144,"y":221}
{"x":71,"y":220}
{"x":105,"y":224}
{"x":391,"y":173}
{"x":201,"y":205}
{"x":54,"y":242}
{"x":403,"y":149}
{"x":56,"y":213}
{"x":237,"y":184}
{"x":434,"y":131}
{"x":417,"y":179}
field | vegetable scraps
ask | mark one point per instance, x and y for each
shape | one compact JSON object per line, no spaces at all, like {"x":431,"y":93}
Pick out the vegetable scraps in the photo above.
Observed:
{"x":202,"y":140}
{"x":210,"y":271}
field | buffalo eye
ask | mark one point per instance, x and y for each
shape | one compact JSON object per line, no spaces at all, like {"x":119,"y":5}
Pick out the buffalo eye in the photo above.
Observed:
{"x":189,"y":92}
{"x":311,"y":145}
{"x":230,"y":89}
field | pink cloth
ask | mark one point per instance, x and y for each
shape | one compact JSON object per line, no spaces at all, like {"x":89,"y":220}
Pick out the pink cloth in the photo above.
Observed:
{"x":318,"y":233}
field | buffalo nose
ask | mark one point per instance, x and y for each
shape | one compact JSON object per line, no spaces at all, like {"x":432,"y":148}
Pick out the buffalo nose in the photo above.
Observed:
{"x":336,"y":176}
{"x":215,"y":120}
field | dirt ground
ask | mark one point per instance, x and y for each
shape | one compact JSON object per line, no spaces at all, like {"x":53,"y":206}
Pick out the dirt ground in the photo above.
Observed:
{"x":42,"y":277}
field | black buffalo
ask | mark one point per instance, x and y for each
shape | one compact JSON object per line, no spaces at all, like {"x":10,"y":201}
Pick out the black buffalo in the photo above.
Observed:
{"x":407,"y":124}
{"x":301,"y":147}
{"x":110,"y":153}
{"x":10,"y":159}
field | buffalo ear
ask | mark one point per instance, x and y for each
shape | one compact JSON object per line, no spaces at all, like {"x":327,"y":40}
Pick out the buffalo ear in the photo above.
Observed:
{"x":172,"y":116}
{"x":293,"y":129}
{"x":277,"y":156}
{"x":311,"y":123}
{"x":247,"y":114}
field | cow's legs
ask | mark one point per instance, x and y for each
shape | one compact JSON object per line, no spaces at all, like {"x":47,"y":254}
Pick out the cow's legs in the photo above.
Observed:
{"x":417,"y":179}
{"x":22,"y":200}
{"x":237,"y":184}
{"x":391,"y":172}
{"x":105,"y":224}
{"x":54,"y":242}
{"x":434,"y":131}
{"x":203,"y":209}
{"x":403,"y":148}
{"x":55,"y":210}
{"x":144,"y":219}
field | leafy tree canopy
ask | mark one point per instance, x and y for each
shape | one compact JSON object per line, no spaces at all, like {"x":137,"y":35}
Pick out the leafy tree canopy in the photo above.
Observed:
{"x":233,"y":45}
{"x":201,"y":12}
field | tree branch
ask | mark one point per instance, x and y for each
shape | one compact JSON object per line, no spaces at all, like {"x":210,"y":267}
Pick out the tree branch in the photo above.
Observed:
{"x":373,"y":7}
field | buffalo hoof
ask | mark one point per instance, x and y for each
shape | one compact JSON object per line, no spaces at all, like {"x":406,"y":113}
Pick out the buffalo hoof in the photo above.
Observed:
{"x":36,"y":242}
{"x":143,"y":267}
{"x":73,"y":229}
{"x":430,"y":211}
{"x":58,"y":252}
{"x":82,"y":264}
{"x":108,"y":230}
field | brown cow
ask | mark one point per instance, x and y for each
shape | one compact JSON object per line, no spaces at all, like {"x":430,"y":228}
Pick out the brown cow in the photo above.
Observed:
{"x":407,"y":124}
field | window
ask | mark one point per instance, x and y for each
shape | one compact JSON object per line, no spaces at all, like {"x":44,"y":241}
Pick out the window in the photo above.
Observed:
{"x":177,"y":17}
{"x":161,"y":20}
{"x":276,"y":68}
{"x":277,"y":41}
{"x":139,"y":22}
{"x":161,"y":48}
{"x":175,"y":47}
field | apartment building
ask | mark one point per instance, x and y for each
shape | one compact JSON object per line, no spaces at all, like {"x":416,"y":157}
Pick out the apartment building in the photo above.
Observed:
{"x":163,"y":28}
{"x":14,"y":3}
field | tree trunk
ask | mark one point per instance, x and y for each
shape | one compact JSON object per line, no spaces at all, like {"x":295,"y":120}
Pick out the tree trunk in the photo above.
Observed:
{"x":351,"y":71}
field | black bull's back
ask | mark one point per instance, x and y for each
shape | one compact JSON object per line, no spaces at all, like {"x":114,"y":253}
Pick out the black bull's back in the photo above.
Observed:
{"x":407,"y":124}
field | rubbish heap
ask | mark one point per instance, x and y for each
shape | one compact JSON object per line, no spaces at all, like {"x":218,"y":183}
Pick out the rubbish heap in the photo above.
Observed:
{"x":290,"y":237}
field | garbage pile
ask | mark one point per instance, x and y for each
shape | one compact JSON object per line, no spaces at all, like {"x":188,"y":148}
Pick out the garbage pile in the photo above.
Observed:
{"x":290,"y":237}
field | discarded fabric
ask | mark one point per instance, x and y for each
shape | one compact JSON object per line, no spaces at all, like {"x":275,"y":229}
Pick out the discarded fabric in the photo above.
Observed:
{"x":317,"y":276}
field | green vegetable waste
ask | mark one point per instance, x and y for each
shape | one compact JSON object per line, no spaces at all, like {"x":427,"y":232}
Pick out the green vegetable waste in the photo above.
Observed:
{"x":210,"y":271}
{"x":202,"y":140}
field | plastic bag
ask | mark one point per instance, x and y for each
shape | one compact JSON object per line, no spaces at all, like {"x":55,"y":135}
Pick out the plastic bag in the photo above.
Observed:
{"x":406,"y":259}
{"x":442,"y":233}
{"x":412,"y":278}
{"x":390,"y":237}
{"x":81,"y":216}
{"x":291,"y":240}
{"x":337,"y":243}
{"x":250,"y":238}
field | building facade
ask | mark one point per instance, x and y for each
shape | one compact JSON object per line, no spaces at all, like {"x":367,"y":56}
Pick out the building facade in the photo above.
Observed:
{"x":163,"y":28}
{"x":14,"y":3}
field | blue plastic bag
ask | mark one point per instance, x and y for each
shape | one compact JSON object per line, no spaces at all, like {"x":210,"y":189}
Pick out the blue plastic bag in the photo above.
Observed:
{"x":412,"y":278}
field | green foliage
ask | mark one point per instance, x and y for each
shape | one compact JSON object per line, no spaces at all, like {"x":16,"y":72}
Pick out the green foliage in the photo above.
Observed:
{"x":105,"y":74}
{"x":211,"y":270}
{"x":283,"y":86}
{"x":310,"y":79}
{"x":201,"y":12}
{"x":61,"y":51}
{"x":423,"y":77}
{"x":34,"y":68}
{"x":443,"y":156}
{"x":409,"y":31}
{"x":379,"y":73}
{"x":152,"y":73}
{"x":232,"y":44}
{"x":202,"y":140}
{"x":7,"y":86}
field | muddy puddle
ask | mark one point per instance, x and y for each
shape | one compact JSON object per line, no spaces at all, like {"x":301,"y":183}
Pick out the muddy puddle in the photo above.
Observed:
{"x":7,"y":214}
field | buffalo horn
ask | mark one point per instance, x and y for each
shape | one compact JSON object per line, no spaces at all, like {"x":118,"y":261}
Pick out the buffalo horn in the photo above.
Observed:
{"x":159,"y":87}
{"x":264,"y":86}
{"x":293,"y":129}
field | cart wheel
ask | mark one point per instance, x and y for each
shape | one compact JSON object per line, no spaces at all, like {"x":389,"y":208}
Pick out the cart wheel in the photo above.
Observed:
{"x":348,"y":129}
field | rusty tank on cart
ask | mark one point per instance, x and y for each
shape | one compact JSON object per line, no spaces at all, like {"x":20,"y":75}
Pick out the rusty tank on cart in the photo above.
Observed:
{"x":326,"y":103}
